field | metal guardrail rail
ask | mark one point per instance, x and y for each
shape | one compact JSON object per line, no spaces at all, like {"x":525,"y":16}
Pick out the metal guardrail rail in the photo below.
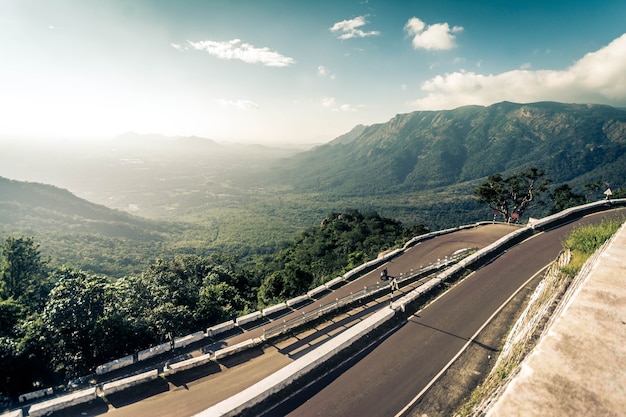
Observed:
{"x":323,"y":310}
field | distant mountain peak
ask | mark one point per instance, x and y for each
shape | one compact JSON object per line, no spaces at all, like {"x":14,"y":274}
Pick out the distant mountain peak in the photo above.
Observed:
{"x":427,"y":149}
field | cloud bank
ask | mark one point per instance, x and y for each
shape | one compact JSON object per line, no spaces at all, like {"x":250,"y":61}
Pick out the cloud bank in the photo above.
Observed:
{"x":438,"y":36}
{"x":243,"y":105}
{"x":348,"y":29}
{"x":236,"y":49}
{"x":598,"y":77}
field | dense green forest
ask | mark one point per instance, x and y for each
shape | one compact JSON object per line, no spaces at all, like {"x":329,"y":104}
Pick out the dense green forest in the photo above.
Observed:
{"x":57,"y":323}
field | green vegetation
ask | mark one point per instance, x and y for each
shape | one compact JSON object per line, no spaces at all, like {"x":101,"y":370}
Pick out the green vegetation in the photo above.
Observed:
{"x":341,"y":242}
{"x":585,"y":240}
{"x":512,"y":196}
{"x":59,"y":322}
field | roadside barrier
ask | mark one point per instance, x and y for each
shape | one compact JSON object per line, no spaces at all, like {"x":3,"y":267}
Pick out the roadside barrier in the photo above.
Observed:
{"x":35,"y":394}
{"x":220,"y":328}
{"x":189,"y":339}
{"x":248,"y":318}
{"x":116,"y":364}
{"x":131,"y":381}
{"x":274,"y":309}
{"x":70,"y":400}
{"x":231,"y":350}
{"x":297,"y":369}
{"x":154,"y":351}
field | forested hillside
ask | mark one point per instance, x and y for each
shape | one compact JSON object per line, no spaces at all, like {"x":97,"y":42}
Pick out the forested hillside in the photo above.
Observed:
{"x":426,"y":150}
{"x":86,"y":235}
{"x":60,"y":322}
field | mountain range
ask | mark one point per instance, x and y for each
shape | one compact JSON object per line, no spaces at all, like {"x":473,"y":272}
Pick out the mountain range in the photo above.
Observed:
{"x":424,"y":150}
{"x":204,"y":197}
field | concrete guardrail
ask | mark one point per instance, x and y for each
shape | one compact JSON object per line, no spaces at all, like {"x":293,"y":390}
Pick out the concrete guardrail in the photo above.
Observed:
{"x":154,"y":351}
{"x":220,"y":328}
{"x":50,"y":406}
{"x":189,"y":339}
{"x":116,"y":364}
{"x":231,"y":350}
{"x":248,"y":318}
{"x":35,"y":394}
{"x":274,"y":309}
{"x":131,"y":381}
{"x":188,"y":364}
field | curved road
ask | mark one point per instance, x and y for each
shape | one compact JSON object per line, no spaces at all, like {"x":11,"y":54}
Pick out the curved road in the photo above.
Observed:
{"x":388,"y":378}
{"x":189,"y":394}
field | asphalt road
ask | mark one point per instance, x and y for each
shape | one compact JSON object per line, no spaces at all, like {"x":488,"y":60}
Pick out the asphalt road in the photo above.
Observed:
{"x":422,"y":254}
{"x":193,"y":393}
{"x":387,"y":378}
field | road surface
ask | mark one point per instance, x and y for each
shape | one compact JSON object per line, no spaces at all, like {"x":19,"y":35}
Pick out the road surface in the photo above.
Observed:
{"x":196,"y":391}
{"x":388,"y":378}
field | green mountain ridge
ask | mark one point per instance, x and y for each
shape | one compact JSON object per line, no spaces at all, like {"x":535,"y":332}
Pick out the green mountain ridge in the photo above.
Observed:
{"x":424,"y":150}
{"x":84,"y":234}
{"x":417,"y":168}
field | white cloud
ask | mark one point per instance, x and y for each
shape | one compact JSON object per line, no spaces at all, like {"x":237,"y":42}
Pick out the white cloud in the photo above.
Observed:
{"x":438,"y":36}
{"x":598,"y":77}
{"x":322,"y":71}
{"x":348,"y":29}
{"x":244,"y":105}
{"x":347,"y":107}
{"x":330,"y":103}
{"x":236,"y":49}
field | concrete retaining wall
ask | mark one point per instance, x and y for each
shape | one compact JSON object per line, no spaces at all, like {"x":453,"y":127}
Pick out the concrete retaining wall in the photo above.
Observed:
{"x":220,"y":328}
{"x":56,"y":404}
{"x":249,"y":318}
{"x":154,"y":351}
{"x":131,"y":381}
{"x":116,"y":364}
{"x":14,"y":413}
{"x":189,"y":339}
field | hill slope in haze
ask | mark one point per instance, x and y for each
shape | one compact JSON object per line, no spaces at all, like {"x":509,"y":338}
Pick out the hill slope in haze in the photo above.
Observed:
{"x":424,"y":150}
{"x":86,"y":235}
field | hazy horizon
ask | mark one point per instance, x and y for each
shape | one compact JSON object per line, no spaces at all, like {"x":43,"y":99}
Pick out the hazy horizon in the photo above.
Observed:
{"x":279,"y":72}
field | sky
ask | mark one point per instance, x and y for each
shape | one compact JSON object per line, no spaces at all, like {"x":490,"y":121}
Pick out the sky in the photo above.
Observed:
{"x":289,"y":71}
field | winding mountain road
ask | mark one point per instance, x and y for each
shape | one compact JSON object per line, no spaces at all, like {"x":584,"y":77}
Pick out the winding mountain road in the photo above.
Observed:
{"x":185,"y":396}
{"x":389,"y":379}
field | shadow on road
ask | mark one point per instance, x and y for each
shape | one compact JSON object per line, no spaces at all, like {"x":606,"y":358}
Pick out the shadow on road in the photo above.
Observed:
{"x":238,"y":359}
{"x":306,"y":344}
{"x":181,"y":379}
{"x":135,"y":394}
{"x":482,"y":345}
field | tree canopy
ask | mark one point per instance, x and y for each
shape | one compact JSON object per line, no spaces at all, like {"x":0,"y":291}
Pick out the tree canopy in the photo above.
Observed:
{"x":60,"y":323}
{"x":511,"y":196}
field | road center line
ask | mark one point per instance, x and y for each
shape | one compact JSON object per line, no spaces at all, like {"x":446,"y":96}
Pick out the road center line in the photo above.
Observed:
{"x":471,"y":340}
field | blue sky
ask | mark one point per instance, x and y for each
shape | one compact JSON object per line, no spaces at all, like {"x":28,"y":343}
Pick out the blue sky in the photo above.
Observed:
{"x":293,"y":71}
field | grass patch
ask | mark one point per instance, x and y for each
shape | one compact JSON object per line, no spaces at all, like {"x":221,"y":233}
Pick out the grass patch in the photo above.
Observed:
{"x":585,"y":240}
